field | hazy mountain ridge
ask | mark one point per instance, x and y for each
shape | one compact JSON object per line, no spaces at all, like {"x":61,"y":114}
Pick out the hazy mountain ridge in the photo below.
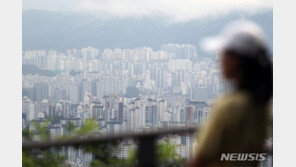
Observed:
{"x":60,"y":31}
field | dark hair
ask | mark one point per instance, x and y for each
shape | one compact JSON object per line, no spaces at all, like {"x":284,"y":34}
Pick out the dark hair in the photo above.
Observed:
{"x":257,"y":74}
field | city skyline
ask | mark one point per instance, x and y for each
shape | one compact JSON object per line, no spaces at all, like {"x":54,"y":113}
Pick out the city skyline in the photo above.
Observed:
{"x":123,"y":90}
{"x":124,"y":71}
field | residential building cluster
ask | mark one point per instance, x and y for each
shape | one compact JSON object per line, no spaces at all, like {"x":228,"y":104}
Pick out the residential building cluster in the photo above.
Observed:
{"x":125,"y":90}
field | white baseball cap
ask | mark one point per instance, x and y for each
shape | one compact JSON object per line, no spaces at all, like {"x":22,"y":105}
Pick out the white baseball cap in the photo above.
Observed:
{"x":240,"y":35}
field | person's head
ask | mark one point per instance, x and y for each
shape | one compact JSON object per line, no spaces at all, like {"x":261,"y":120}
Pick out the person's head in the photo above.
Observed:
{"x":245,"y":60}
{"x":249,"y":70}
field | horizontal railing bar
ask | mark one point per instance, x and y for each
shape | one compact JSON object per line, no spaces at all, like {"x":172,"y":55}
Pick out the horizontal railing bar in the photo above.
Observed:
{"x":106,"y":138}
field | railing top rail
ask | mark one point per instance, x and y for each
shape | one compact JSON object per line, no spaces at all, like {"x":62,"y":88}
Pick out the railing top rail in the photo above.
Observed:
{"x":106,"y":138}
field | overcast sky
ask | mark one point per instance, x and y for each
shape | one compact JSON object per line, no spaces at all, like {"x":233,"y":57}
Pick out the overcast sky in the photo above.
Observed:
{"x":175,"y":10}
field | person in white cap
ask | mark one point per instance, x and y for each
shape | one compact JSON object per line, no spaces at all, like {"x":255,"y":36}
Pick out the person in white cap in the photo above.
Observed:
{"x":239,"y":124}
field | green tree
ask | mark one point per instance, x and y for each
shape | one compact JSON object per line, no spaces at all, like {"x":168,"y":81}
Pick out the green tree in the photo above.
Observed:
{"x":70,"y":128}
{"x":166,"y":156}
{"x":90,"y":127}
{"x":44,"y":158}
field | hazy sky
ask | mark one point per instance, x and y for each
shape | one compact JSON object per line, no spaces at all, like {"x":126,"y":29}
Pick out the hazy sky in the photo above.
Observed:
{"x":175,"y":10}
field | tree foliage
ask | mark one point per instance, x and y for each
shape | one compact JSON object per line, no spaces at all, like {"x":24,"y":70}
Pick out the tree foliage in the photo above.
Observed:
{"x":90,"y":127}
{"x":102,"y":152}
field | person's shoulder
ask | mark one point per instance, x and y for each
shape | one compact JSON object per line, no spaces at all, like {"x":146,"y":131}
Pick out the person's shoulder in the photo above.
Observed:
{"x":239,"y":97}
{"x":234,"y":100}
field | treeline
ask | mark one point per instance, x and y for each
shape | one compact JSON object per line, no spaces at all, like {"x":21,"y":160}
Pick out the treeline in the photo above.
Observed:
{"x":101,"y":151}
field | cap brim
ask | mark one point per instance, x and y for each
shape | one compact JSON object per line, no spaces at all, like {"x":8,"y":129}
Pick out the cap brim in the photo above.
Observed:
{"x":212,"y":43}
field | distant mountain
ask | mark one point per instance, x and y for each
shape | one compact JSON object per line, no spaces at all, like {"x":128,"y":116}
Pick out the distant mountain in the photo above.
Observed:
{"x":60,"y":31}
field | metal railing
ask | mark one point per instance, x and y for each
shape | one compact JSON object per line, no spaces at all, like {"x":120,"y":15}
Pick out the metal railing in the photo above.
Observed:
{"x":146,"y":141}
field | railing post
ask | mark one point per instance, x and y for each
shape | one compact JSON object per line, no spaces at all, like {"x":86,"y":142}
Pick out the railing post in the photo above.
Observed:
{"x":147,"y":151}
